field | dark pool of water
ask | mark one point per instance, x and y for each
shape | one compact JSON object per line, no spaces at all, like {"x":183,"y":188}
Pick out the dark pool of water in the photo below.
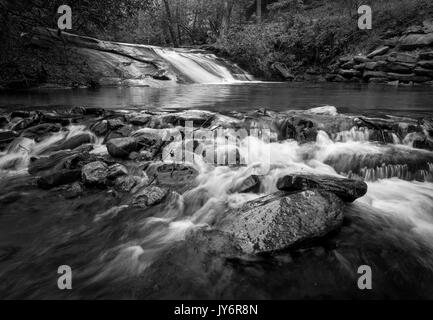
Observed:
{"x":349,"y":98}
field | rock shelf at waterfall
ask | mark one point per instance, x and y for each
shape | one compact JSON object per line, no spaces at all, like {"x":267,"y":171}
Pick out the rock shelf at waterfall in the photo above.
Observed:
{"x":98,"y":63}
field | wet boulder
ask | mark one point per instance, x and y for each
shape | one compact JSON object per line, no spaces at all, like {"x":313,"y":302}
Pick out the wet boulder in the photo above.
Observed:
{"x":116,"y":170}
{"x":278,"y":221}
{"x":79,"y":158}
{"x":140,"y":119}
{"x":114,"y":124}
{"x":125,"y":183}
{"x":54,"y":161}
{"x":95,"y":174}
{"x":346,"y":189}
{"x":148,"y":197}
{"x":199,"y":118}
{"x":176,"y":176}
{"x":58,"y":178}
{"x":71,"y":143}
{"x":324,"y":111}
{"x":393,"y":161}
{"x":26,"y":123}
{"x":100,"y":128}
{"x":52,"y":117}
{"x":149,"y":140}
{"x":297,"y":128}
{"x":122,"y":132}
{"x":39,"y":131}
{"x":122,"y":147}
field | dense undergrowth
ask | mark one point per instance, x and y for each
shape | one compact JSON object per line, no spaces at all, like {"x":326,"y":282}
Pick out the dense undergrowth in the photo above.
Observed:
{"x":309,"y":38}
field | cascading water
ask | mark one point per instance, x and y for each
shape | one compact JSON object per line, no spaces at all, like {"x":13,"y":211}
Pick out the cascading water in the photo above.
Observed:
{"x":202,"y":67}
{"x":111,"y":242}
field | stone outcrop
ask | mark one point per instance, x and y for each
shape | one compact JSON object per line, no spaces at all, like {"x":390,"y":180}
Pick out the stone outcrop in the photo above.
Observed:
{"x":407,"y":60}
{"x":148,"y":197}
{"x":95,"y":174}
{"x":129,"y":65}
{"x":280,"y":220}
{"x":346,"y":189}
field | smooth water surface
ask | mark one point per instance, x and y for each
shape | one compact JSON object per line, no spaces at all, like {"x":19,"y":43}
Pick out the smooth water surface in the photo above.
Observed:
{"x":241,"y":96}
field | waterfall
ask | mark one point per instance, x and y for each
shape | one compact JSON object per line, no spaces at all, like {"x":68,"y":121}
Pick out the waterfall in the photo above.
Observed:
{"x":202,"y":67}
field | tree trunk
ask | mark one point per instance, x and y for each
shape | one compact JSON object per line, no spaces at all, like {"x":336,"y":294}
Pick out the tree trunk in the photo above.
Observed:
{"x":171,"y":27}
{"x":225,"y":23}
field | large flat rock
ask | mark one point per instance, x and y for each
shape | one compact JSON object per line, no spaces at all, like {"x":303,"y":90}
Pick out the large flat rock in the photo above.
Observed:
{"x":281,"y":220}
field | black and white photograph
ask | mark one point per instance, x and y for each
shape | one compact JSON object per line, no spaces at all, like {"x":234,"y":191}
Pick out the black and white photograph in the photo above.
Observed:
{"x":230,"y":151}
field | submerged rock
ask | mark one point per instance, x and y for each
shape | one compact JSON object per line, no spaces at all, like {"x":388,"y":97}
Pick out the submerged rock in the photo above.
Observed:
{"x":149,"y":197}
{"x":346,"y":189}
{"x":125,"y":183}
{"x":74,"y":191}
{"x":53,"y":161}
{"x":247,"y":185}
{"x":116,"y":170}
{"x":280,"y":220}
{"x":41,"y":130}
{"x":58,"y":178}
{"x":95,"y":174}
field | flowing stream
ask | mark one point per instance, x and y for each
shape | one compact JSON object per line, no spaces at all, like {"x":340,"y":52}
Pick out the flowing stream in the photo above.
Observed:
{"x":115,"y":251}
